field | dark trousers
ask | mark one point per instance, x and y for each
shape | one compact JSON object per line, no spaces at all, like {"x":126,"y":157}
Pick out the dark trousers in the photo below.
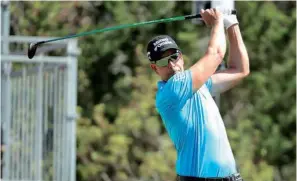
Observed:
{"x":234,"y":177}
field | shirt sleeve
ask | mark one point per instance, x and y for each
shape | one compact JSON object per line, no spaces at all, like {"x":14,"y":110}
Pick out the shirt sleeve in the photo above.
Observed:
{"x":178,"y":89}
{"x":209,"y":84}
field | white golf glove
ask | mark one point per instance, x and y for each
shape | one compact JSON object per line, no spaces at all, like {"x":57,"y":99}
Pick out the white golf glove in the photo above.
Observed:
{"x":230,"y":20}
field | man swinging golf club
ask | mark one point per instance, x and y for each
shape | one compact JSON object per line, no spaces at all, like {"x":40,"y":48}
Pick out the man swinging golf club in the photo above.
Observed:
{"x":184,"y":99}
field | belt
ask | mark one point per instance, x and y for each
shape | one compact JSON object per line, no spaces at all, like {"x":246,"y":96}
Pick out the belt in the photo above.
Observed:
{"x":234,"y":177}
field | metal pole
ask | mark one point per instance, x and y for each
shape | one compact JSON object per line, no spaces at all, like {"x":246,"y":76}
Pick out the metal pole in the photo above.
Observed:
{"x":64,"y":130}
{"x":39,"y":121}
{"x":31,"y":121}
{"x":224,"y":4}
{"x":25,"y":167}
{"x":6,"y":118}
{"x":73,"y":52}
{"x":67,"y":134}
{"x":55,"y":124}
{"x":6,"y":25}
{"x":59,"y":122}
{"x":6,"y":106}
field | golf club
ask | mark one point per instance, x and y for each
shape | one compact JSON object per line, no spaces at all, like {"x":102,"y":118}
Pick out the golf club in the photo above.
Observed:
{"x":33,"y":46}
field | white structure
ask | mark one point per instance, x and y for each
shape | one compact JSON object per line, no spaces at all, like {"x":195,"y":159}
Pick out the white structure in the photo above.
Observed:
{"x":38,"y":109}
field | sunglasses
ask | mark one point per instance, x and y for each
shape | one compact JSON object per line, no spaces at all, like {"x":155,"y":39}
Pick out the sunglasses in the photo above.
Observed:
{"x":165,"y":61}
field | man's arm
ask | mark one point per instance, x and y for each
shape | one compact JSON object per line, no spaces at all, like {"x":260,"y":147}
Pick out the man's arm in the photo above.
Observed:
{"x":238,"y":63}
{"x":207,"y":65}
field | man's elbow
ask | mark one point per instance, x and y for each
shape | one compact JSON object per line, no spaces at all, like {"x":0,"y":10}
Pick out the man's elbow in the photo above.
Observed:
{"x":243,"y":71}
{"x":217,"y":54}
{"x":221,"y":53}
{"x":246,"y":73}
{"x":246,"y":70}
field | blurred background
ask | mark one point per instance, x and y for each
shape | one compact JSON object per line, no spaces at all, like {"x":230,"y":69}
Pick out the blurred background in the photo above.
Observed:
{"x":83,"y":109}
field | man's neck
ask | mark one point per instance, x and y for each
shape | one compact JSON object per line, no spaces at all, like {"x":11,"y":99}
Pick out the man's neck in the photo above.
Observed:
{"x":168,"y":77}
{"x":165,"y":79}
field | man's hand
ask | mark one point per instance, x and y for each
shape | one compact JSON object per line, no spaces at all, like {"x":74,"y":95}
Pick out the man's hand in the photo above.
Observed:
{"x":214,"y":18}
{"x":211,"y":16}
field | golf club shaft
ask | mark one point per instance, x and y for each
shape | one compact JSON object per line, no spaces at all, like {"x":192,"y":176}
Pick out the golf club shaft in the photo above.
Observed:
{"x":177,"y":18}
{"x":33,"y":46}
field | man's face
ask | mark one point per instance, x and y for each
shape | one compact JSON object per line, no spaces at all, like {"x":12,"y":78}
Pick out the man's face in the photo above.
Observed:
{"x":175,"y":64}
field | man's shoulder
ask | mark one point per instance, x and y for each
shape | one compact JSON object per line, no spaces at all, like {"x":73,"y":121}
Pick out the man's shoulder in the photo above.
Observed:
{"x":180,"y":76}
{"x":177,"y":78}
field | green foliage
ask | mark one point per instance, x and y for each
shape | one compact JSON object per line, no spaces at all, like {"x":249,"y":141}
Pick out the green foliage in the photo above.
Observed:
{"x":119,"y":133}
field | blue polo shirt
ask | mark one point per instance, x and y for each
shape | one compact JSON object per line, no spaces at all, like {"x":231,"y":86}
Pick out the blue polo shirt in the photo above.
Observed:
{"x":194,"y":124}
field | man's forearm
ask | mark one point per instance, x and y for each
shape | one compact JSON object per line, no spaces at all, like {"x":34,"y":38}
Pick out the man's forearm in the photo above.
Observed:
{"x":238,"y":56}
{"x":217,"y":39}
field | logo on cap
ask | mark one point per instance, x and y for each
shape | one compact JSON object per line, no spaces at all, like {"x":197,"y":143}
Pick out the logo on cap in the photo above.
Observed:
{"x":149,"y":55}
{"x":161,"y":42}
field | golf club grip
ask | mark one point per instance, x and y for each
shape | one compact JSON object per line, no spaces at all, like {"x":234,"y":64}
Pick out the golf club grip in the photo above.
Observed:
{"x":233,"y":11}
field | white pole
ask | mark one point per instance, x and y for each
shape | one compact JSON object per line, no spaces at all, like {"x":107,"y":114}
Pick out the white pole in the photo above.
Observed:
{"x":224,"y":4}
{"x":6,"y":83}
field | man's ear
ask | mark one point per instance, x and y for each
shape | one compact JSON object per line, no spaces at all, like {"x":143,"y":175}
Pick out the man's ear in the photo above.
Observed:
{"x":154,"y":67}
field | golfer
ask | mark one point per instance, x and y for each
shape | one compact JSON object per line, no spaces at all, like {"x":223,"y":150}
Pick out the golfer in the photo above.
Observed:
{"x":185,"y":104}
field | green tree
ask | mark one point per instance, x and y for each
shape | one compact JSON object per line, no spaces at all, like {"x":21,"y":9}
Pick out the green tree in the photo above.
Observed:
{"x":267,"y":97}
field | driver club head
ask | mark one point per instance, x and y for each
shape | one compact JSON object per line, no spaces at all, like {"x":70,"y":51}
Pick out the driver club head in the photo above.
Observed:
{"x":32,"y":50}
